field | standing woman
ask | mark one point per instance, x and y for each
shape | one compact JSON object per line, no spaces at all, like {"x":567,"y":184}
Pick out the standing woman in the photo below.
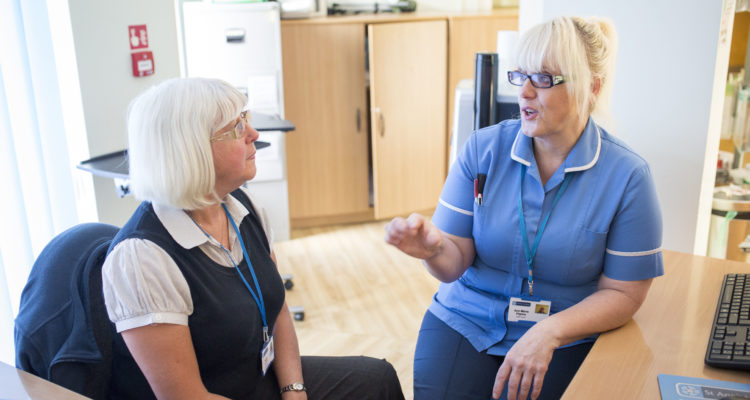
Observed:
{"x":190,"y":280}
{"x":560,"y":242}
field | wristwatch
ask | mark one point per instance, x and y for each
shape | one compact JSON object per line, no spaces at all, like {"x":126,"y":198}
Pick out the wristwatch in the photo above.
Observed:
{"x":294,"y":387}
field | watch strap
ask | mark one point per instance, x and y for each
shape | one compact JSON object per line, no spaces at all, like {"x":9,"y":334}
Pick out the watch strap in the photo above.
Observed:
{"x":294,"y":387}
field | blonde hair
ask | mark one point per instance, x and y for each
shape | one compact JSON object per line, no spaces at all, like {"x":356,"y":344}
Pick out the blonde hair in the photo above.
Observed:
{"x":169,"y":131}
{"x":582,"y":50}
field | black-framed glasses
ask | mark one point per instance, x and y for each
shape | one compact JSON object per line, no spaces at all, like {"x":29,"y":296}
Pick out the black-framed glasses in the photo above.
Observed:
{"x":538,"y":80}
{"x":238,"y":132}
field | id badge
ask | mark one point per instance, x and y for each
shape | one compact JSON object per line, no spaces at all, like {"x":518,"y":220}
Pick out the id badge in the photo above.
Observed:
{"x":528,"y":310}
{"x":266,"y":355}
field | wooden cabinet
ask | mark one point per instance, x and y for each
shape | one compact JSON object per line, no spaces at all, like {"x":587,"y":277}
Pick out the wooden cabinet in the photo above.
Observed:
{"x":325,"y":97}
{"x":369,"y":97}
{"x":408,"y":66}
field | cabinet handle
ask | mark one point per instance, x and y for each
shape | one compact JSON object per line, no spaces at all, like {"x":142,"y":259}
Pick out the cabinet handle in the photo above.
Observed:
{"x":382,"y":123}
{"x":235,"y":35}
{"x":359,"y":120}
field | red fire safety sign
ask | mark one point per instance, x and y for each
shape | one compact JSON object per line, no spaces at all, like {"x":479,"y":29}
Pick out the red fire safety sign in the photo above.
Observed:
{"x":138,"y":37}
{"x":143,"y":63}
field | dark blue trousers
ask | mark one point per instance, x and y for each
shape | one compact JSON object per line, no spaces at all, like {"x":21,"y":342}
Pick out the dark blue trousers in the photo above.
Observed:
{"x":447,"y":366}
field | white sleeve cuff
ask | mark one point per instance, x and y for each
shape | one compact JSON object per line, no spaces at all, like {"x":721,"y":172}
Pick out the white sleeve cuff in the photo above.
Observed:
{"x":149,"y":319}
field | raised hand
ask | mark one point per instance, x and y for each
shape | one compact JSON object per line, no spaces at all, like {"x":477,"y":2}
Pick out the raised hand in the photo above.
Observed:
{"x":415,"y":236}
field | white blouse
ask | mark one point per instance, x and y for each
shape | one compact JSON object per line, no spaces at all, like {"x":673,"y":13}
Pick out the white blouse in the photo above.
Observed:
{"x":143,"y":285}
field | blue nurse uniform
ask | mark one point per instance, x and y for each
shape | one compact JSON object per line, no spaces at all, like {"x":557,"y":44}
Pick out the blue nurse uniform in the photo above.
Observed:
{"x":607,"y":222}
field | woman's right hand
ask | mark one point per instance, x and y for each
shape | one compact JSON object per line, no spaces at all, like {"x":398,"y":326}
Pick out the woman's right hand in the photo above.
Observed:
{"x":415,"y":236}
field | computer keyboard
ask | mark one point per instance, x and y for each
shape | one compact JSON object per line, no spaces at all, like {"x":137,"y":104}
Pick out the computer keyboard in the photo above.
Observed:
{"x":729,"y":345}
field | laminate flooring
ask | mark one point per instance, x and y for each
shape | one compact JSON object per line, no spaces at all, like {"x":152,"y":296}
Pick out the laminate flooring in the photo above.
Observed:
{"x":360,"y":295}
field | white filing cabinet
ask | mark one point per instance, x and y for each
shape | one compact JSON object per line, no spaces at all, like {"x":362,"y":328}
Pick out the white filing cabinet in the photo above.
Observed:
{"x":241,"y":44}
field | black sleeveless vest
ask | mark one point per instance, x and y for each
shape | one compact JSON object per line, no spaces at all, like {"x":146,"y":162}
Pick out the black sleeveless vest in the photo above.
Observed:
{"x":226,"y":325}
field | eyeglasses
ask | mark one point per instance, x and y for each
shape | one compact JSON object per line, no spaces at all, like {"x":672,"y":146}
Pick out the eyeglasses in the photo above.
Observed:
{"x":238,"y":132}
{"x":539,"y":80}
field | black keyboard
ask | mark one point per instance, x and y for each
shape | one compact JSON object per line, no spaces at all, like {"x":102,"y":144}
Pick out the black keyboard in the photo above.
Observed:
{"x":729,"y":345}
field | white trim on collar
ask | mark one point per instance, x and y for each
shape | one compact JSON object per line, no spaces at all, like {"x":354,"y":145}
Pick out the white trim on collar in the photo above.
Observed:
{"x":569,"y":169}
{"x":513,"y":149}
{"x":596,"y":156}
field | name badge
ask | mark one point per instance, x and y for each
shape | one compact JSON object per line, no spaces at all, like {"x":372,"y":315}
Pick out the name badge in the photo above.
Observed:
{"x":528,"y":310}
{"x":267,"y":355}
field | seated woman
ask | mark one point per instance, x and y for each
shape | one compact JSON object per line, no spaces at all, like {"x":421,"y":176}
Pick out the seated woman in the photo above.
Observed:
{"x":560,"y":243}
{"x":191,"y":281}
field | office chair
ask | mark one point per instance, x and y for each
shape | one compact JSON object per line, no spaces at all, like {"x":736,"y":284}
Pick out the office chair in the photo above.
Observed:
{"x":62,"y":331}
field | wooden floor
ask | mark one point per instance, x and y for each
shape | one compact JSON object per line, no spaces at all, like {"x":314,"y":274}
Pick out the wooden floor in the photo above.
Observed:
{"x":360,"y":295}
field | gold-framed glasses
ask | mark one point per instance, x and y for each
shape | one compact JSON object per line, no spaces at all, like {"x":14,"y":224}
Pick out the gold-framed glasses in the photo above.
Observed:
{"x":238,"y":132}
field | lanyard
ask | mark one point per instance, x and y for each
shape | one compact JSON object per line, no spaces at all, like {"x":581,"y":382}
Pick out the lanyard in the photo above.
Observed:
{"x":531,"y":252}
{"x":259,"y":297}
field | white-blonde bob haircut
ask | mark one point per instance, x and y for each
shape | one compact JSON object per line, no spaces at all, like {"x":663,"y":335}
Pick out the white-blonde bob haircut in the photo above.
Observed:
{"x":582,"y":50}
{"x":169,"y":131}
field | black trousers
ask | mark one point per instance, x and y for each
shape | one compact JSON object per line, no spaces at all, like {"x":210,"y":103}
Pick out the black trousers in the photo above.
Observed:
{"x":448,"y":367}
{"x":340,"y":378}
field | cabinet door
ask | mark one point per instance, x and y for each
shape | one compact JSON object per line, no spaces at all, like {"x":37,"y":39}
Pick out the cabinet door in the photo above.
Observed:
{"x":408,"y":70}
{"x":325,"y":97}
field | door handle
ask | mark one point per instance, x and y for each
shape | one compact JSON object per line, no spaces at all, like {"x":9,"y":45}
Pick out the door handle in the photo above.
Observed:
{"x":381,"y":121}
{"x":382,"y":125}
{"x":359,"y":120}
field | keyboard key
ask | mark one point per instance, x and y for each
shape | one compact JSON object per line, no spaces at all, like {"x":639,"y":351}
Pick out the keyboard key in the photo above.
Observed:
{"x":728,"y":295}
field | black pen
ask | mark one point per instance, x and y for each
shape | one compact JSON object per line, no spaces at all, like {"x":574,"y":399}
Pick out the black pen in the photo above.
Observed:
{"x":479,"y":188}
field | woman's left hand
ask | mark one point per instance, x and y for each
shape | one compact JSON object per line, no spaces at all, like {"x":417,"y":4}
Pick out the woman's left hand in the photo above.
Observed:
{"x":526,"y":364}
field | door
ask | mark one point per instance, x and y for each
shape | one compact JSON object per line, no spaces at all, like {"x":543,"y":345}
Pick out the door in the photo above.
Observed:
{"x":325,"y":97}
{"x":408,"y":74}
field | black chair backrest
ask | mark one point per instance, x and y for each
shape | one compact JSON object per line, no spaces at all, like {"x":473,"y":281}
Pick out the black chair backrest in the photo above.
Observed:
{"x":62,"y":330}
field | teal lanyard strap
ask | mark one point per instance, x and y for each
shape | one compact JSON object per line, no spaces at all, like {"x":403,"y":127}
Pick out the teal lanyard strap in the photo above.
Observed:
{"x":259,"y":297}
{"x":531,"y":252}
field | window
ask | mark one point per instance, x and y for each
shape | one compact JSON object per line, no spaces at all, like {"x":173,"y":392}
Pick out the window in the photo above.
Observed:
{"x":41,"y":138}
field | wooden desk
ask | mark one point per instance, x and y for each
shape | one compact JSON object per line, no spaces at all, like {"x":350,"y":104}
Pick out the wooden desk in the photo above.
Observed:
{"x":668,"y":335}
{"x":16,"y":384}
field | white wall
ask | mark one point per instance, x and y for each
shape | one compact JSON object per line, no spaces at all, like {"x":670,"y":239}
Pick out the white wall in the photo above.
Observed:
{"x":666,"y":72}
{"x":102,"y":51}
